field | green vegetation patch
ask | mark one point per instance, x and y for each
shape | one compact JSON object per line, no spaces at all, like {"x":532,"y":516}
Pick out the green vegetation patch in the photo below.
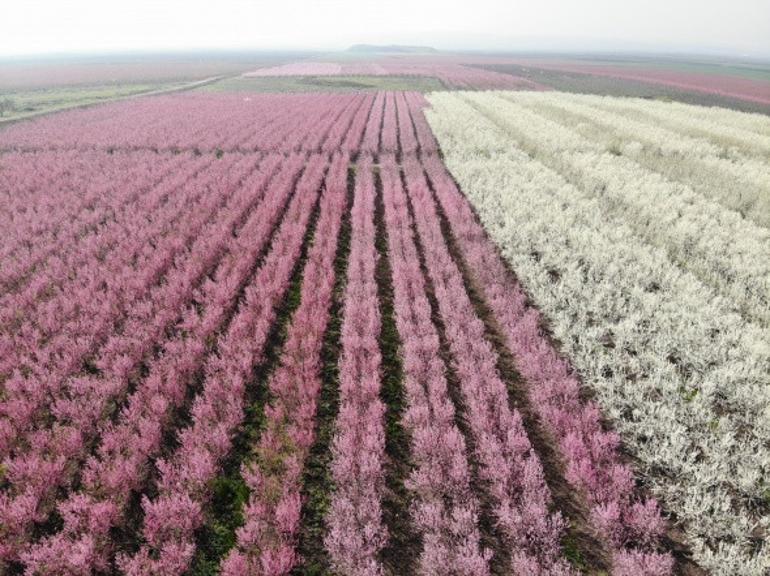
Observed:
{"x":324,"y":84}
{"x":22,"y":103}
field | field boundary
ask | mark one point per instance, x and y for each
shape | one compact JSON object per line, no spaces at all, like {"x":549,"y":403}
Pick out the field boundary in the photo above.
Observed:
{"x":182,"y":88}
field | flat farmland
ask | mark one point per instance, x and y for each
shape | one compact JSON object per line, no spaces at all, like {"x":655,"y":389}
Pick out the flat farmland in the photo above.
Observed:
{"x":453,"y":73}
{"x":355,"y":329}
{"x":741,"y":86}
{"x":325,"y":83}
{"x":33,"y":86}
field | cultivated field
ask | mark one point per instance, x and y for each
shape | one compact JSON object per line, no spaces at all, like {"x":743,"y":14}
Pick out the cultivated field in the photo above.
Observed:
{"x":742,"y":86}
{"x":34,"y":86}
{"x":738,"y":83}
{"x":450,"y":72}
{"x":361,"y":330}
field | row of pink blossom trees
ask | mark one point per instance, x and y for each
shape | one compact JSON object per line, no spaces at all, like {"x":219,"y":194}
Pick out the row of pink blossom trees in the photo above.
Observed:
{"x":230,"y":123}
{"x":397,"y":125}
{"x":226,"y":122}
{"x":446,"y":509}
{"x":355,"y":530}
{"x":84,"y":253}
{"x":57,"y":197}
{"x":83,"y":411}
{"x":266,"y":541}
{"x":507,"y":462}
{"x":170,"y":520}
{"x":69,"y":328}
{"x":631,"y":527}
{"x":127,"y":447}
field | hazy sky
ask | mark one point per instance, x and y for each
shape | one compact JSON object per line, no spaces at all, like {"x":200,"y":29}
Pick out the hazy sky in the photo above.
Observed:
{"x":728,"y":26}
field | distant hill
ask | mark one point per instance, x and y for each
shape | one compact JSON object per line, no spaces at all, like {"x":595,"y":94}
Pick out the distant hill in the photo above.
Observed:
{"x":392,"y":48}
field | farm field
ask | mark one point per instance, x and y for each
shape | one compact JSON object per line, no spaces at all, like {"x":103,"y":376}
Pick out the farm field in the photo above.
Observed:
{"x":383,"y":316}
{"x":22,"y":104}
{"x":451,"y":72}
{"x":31,"y":87}
{"x":212,"y":322}
{"x":324,"y":83}
{"x":566,"y":80}
{"x":745,"y":86}
{"x":742,"y":86}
